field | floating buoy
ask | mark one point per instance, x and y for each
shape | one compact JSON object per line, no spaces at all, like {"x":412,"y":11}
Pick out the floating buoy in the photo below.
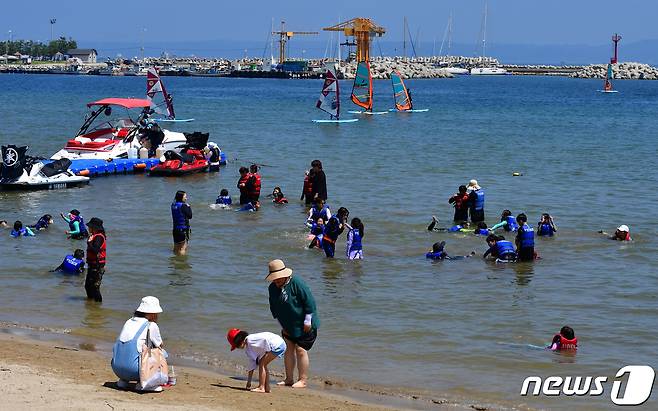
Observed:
{"x":140,"y":166}
{"x":83,"y":173}
{"x":517,"y":174}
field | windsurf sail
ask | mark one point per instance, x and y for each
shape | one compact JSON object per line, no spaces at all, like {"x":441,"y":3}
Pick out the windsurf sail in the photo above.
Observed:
{"x":400,"y":93}
{"x":329,"y":100}
{"x":362,"y":89}
{"x":161,"y":101}
{"x":607,"y":86}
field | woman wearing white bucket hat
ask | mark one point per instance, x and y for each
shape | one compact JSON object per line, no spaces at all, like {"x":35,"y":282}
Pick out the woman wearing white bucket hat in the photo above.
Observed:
{"x":293,"y":305}
{"x":127,"y":348}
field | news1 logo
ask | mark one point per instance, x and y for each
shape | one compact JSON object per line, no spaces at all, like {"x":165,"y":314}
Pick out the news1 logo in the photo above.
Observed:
{"x":637,"y":390}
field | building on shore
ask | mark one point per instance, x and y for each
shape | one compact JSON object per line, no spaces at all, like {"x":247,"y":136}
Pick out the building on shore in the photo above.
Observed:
{"x":84,"y":55}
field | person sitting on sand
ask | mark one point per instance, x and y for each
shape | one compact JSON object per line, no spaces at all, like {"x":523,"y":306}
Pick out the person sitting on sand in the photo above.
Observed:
{"x":20,"y":231}
{"x":43,"y":223}
{"x":623,"y":233}
{"x":261,"y":349}
{"x":565,"y":340}
{"x":73,"y":264}
{"x":224,"y":199}
{"x":128,"y":347}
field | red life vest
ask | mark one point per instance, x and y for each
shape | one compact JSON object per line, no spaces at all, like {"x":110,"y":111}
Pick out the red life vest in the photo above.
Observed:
{"x":92,"y":257}
{"x":568,"y":344}
{"x":461,"y":201}
{"x":308,"y":185}
{"x":628,"y":237}
{"x":255,"y":186}
{"x":280,"y":200}
{"x":242,"y":183}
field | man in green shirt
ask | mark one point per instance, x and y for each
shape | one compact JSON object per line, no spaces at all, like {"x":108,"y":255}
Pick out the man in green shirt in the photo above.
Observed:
{"x":293,"y":305}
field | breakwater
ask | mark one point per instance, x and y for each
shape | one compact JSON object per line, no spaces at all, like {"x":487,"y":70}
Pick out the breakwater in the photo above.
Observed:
{"x":621,"y":71}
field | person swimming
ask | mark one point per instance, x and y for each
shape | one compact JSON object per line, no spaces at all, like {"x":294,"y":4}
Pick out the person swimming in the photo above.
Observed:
{"x":73,"y":264}
{"x":507,"y":221}
{"x":546,"y":226}
{"x":20,"y":231}
{"x":278,"y":197}
{"x":224,"y":198}
{"x":439,"y":253}
{"x":251,"y":206}
{"x":623,"y":233}
{"x":44,"y":222}
{"x":565,"y":340}
{"x":77,"y":227}
{"x":500,"y":249}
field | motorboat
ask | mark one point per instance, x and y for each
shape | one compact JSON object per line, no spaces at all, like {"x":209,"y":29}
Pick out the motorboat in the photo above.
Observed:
{"x":22,"y":172}
{"x":104,"y":135}
{"x":488,"y":71}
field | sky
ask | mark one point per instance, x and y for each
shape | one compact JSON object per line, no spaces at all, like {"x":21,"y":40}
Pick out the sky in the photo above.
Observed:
{"x":240,"y":24}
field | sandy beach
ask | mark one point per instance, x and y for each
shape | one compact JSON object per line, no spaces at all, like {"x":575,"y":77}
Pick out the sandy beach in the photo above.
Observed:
{"x":55,"y":375}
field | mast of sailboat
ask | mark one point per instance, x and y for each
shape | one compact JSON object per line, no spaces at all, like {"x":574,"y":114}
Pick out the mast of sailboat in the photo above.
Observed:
{"x":447,"y":34}
{"x":404,"y":37}
{"x":484,"y":30}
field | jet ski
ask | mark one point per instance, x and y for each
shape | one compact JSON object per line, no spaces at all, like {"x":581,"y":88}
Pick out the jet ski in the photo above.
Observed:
{"x":22,"y":172}
{"x":189,"y":160}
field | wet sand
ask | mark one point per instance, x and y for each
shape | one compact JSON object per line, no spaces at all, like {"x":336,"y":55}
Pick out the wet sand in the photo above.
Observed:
{"x":58,"y":375}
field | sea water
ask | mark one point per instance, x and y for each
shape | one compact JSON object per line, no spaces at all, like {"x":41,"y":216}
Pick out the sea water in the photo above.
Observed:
{"x":457,"y":329}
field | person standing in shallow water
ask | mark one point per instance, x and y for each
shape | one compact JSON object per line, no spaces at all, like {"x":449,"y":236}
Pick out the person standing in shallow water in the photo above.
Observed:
{"x":96,"y":255}
{"x":318,"y":181}
{"x":181,"y":213}
{"x":476,"y":201}
{"x":460,"y":202}
{"x":293,"y":305}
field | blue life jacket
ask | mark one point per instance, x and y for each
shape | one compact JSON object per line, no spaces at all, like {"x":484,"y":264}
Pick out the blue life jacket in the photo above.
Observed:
{"x":478,"y":204}
{"x":81,"y":223}
{"x":21,"y":232}
{"x":42,"y":223}
{"x":226,"y":200}
{"x":481,"y":231}
{"x":504,"y":248}
{"x":356,"y":240}
{"x":317,"y":230}
{"x":455,"y":228}
{"x":527,"y":236}
{"x":512,"y":225}
{"x":438,"y":255}
{"x":323,"y":214}
{"x":180,"y":222}
{"x":72,"y":264}
{"x":332,"y":228}
{"x":545,"y":230}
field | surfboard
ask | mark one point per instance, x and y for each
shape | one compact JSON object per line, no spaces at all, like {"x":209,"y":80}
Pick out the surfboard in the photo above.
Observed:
{"x":419,"y":110}
{"x":607,"y":91}
{"x":371,"y":113}
{"x":349,"y":120}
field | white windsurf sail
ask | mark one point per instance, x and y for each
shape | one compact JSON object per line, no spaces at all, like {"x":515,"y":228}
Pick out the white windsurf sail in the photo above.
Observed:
{"x":161,"y":101}
{"x":329,"y":100}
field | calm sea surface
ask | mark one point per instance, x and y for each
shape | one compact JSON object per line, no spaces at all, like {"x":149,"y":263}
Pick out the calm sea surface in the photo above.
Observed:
{"x":455,"y":328}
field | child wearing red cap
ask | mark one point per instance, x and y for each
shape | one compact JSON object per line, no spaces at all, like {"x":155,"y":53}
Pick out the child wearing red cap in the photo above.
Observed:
{"x":261,"y":349}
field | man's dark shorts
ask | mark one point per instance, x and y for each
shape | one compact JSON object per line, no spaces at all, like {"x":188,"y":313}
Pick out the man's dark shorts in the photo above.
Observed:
{"x":305,"y":341}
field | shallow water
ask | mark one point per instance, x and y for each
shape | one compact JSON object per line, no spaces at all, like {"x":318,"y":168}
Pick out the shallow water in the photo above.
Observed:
{"x":457,"y":328}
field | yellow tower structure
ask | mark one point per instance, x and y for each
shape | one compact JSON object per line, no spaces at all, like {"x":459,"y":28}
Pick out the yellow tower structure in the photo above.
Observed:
{"x":362,"y":29}
{"x":284,"y":37}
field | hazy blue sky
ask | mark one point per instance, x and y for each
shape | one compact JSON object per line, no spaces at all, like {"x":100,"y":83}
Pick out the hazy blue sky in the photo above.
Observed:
{"x":510,"y":21}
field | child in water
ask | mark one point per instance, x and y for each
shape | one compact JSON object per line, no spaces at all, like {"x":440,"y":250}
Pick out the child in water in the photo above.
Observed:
{"x":43,"y":223}
{"x":3,"y":224}
{"x":224,"y":199}
{"x":73,"y":264}
{"x":318,"y":210}
{"x":353,"y":245}
{"x":500,"y":249}
{"x":20,"y":231}
{"x":316,"y":234}
{"x":507,"y":221}
{"x":565,"y":340}
{"x":251,"y":206}
{"x":278,"y":197}
{"x":438,"y":253}
{"x":261,"y":349}
{"x":546,"y":226}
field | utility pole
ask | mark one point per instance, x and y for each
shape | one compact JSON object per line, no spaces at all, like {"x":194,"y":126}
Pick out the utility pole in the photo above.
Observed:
{"x":52,"y":23}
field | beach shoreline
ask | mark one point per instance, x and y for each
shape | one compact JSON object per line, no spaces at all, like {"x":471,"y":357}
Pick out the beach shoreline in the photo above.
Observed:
{"x":44,"y":370}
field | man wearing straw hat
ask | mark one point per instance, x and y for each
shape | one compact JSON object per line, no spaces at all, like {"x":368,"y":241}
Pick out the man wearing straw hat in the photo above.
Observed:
{"x":293,"y":305}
